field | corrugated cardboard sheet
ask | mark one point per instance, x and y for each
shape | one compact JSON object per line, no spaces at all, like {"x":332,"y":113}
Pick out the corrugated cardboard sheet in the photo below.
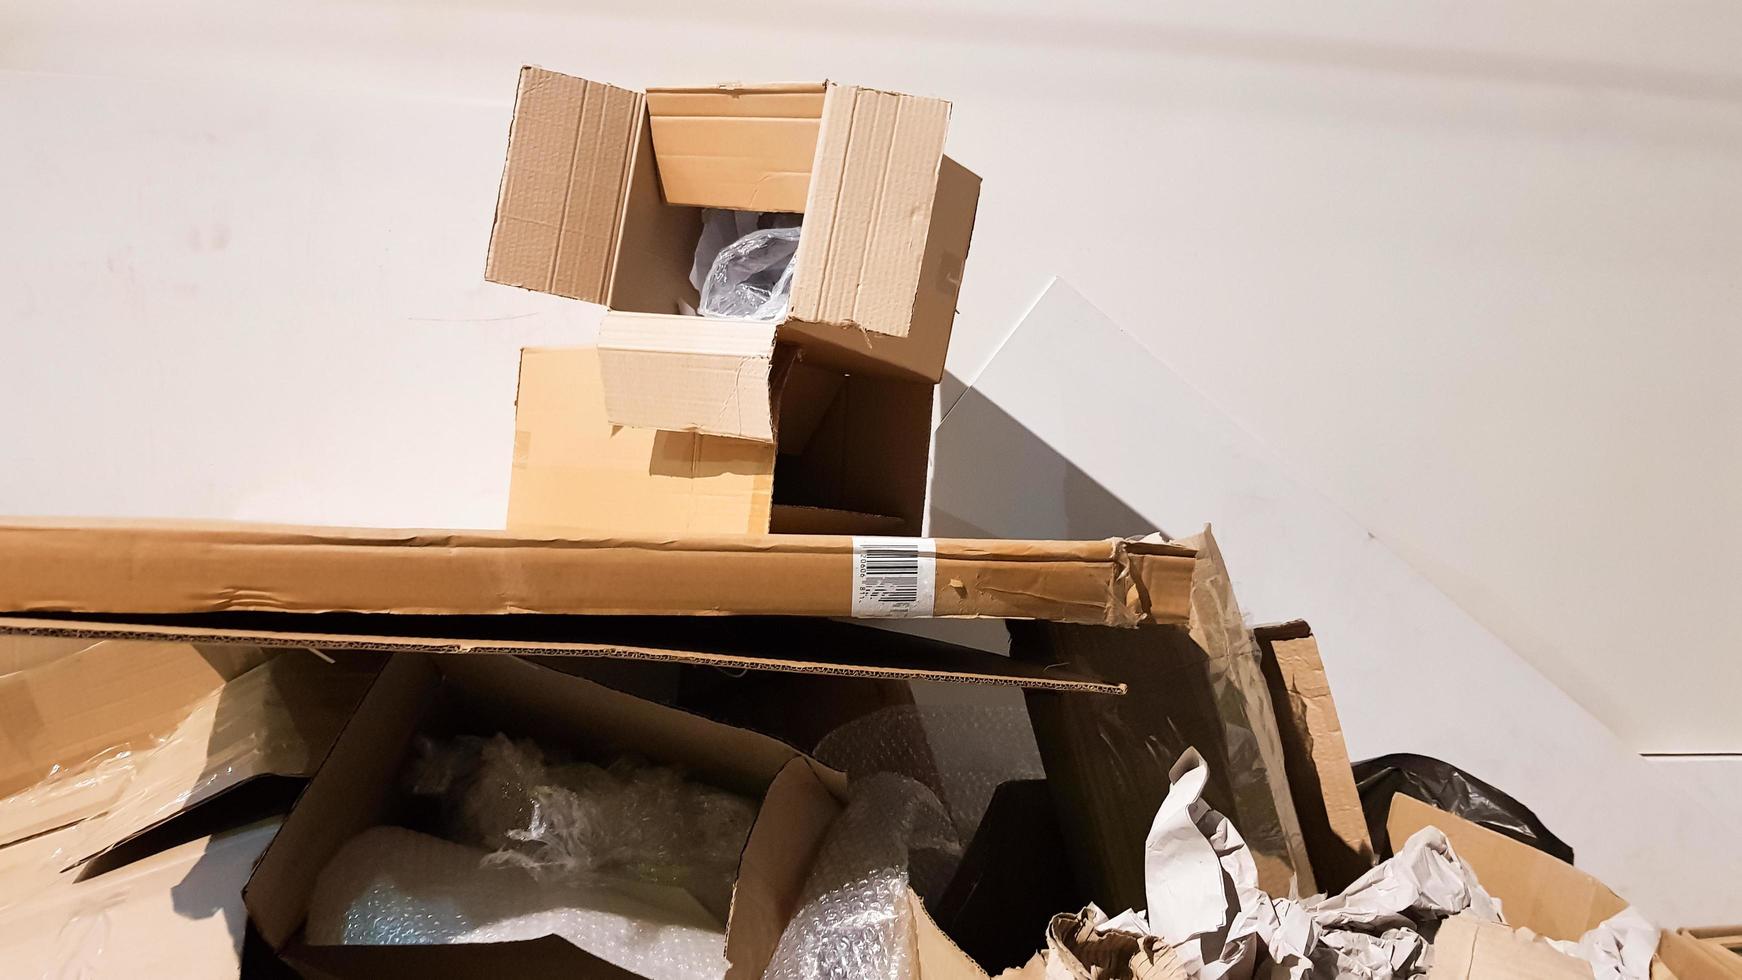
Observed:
{"x":872,"y":188}
{"x":1319,"y":773}
{"x":53,"y":565}
{"x":559,"y":211}
{"x":689,"y":374}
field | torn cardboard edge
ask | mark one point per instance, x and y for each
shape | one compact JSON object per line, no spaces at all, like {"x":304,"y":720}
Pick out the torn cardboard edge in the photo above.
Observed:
{"x":121,"y":567}
{"x":739,"y":644}
{"x":1320,"y":776}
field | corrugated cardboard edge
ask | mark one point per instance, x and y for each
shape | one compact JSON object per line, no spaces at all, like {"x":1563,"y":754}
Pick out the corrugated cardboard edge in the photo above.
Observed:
{"x":1681,"y":956}
{"x":1063,"y":681}
{"x":1319,"y":773}
{"x":123,"y":567}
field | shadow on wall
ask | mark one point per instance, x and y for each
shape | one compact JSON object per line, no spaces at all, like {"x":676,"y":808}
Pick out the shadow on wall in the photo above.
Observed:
{"x":992,"y":477}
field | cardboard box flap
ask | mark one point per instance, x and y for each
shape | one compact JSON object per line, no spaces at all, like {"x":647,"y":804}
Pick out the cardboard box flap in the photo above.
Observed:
{"x":747,"y":147}
{"x":1537,"y":891}
{"x":689,"y":374}
{"x":747,"y":643}
{"x":559,"y":211}
{"x":871,"y":194}
{"x":70,"y":566}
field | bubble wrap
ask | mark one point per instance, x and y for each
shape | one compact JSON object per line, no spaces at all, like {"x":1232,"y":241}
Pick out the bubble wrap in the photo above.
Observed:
{"x":567,"y":819}
{"x":853,"y":920}
{"x":963,"y":753}
{"x":392,"y":886}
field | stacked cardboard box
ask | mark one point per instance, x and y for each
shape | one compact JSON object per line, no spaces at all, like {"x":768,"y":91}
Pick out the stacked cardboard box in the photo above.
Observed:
{"x":818,"y":423}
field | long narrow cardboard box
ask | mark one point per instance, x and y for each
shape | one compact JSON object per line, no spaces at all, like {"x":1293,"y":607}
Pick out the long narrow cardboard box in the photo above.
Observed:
{"x":62,"y":566}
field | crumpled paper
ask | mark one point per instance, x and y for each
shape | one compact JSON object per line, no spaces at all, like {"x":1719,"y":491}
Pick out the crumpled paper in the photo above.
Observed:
{"x":1619,"y":948}
{"x":1204,"y":902}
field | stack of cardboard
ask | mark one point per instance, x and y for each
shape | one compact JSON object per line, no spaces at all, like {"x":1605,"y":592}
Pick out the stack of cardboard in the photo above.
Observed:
{"x":694,"y":504}
{"x":818,"y":423}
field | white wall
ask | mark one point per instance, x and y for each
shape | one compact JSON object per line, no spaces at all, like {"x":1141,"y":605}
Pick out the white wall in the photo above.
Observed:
{"x":1471,"y":267}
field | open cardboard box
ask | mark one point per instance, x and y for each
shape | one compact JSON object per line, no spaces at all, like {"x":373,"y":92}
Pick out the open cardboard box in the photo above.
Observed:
{"x":887,"y":223}
{"x":850,"y":457}
{"x":1542,"y":893}
{"x":358,"y":787}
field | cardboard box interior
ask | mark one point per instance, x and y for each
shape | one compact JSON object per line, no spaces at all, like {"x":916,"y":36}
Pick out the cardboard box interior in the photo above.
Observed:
{"x":850,"y":457}
{"x":887,"y":224}
{"x":357,"y":788}
{"x":1539,"y":892}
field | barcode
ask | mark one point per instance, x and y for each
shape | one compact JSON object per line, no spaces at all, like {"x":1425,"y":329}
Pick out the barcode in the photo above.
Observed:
{"x":893,"y":577}
{"x":891,"y":574}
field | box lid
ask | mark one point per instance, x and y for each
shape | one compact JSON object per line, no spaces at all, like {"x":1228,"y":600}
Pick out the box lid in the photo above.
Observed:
{"x":97,"y":566}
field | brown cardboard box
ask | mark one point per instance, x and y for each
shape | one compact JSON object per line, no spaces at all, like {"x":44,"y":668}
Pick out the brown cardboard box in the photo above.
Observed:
{"x":1541,"y":893}
{"x":117,"y":567}
{"x":887,"y":222}
{"x":357,"y":788}
{"x":1320,"y":777}
{"x":850,"y":457}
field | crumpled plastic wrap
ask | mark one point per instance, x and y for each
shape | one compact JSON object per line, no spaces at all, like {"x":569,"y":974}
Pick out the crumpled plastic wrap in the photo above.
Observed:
{"x":854,"y":921}
{"x":1108,"y":759}
{"x":392,"y":886}
{"x":263,"y":713}
{"x":744,"y":263}
{"x":559,"y":819}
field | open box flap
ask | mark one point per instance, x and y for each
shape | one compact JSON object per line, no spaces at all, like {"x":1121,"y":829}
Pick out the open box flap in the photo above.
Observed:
{"x":689,"y":374}
{"x":560,"y":208}
{"x":750,"y":643}
{"x":157,"y":567}
{"x":870,"y":205}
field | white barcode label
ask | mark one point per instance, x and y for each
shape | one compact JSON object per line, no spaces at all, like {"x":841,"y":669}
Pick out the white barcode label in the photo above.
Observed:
{"x":893,"y":578}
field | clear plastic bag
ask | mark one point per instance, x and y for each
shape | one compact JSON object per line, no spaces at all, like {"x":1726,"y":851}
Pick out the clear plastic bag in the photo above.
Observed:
{"x":752,"y":277}
{"x":574,"y":820}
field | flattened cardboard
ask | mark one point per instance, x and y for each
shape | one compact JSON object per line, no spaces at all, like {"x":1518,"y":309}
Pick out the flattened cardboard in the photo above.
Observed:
{"x":173,"y":915}
{"x":276,"y":719}
{"x":888,"y":219}
{"x":801,"y":646}
{"x":1320,"y":777}
{"x":108,"y":697}
{"x":118,"y":567}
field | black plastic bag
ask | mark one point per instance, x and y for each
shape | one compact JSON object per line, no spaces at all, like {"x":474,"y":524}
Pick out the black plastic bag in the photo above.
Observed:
{"x":1452,"y":790}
